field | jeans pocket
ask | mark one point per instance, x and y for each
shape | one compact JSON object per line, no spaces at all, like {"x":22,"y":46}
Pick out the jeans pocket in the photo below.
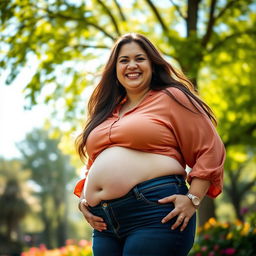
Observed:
{"x":152,"y":194}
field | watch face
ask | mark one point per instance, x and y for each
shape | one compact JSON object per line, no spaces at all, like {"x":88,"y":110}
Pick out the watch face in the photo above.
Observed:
{"x":196,"y":201}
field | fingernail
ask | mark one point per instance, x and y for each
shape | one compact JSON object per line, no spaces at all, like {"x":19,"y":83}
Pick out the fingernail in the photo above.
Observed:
{"x":163,"y":221}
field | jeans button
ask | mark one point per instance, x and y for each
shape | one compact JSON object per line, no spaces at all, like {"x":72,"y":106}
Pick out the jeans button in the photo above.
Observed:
{"x":104,"y":204}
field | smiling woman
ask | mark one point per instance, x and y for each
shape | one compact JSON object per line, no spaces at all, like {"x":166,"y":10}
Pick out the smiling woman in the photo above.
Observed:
{"x":143,"y":129}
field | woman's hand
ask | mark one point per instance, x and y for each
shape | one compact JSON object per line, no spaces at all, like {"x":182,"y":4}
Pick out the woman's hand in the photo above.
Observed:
{"x":183,"y":209}
{"x":95,"y":221}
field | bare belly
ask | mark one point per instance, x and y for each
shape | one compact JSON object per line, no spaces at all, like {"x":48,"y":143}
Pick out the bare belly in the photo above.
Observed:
{"x":117,"y":170}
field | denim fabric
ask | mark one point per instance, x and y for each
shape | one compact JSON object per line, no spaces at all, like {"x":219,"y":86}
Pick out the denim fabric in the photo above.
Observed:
{"x":134,"y":225}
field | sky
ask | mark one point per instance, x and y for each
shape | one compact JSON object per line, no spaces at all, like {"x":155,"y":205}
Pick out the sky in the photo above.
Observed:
{"x":15,"y":122}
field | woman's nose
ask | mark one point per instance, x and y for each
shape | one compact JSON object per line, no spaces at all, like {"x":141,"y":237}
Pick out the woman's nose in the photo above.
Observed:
{"x":132,"y":64}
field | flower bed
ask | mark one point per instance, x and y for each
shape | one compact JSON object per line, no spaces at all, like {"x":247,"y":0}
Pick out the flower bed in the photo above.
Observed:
{"x":72,"y":248}
{"x":215,"y":238}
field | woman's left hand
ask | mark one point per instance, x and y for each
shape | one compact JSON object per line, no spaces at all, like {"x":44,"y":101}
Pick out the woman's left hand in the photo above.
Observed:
{"x":183,"y":209}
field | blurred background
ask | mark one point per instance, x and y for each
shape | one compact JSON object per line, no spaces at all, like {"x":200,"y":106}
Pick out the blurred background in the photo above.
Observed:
{"x":51,"y":55}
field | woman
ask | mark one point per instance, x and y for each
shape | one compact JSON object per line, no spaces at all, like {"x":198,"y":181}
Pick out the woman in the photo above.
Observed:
{"x":145,"y":125}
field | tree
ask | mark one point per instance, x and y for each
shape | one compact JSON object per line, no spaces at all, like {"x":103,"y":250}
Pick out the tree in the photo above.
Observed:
{"x":13,"y":206}
{"x":197,"y":35}
{"x":51,"y":171}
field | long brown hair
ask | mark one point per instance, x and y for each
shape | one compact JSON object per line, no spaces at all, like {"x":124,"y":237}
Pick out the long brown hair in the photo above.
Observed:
{"x":108,"y":93}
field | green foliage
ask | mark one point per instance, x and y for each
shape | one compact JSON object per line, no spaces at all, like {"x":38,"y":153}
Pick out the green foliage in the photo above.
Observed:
{"x":215,"y":239}
{"x":51,"y":172}
{"x":65,"y":35}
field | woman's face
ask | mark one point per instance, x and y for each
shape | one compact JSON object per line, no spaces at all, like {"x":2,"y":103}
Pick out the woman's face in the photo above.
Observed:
{"x":133,"y":68}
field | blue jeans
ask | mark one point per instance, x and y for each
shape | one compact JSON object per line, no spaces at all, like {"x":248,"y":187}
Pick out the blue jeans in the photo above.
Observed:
{"x":134,"y":225}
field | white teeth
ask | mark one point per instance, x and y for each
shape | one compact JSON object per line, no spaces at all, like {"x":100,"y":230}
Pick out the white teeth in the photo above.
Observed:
{"x":133,"y":75}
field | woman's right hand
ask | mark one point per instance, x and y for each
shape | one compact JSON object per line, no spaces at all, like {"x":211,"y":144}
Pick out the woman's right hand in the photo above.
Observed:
{"x":95,"y":221}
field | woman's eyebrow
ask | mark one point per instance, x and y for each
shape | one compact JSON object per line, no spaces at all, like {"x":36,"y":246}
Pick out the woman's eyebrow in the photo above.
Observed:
{"x":137,"y":55}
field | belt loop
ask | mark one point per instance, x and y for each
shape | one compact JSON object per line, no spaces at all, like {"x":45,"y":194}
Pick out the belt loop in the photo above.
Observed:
{"x":136,"y":193}
{"x":177,"y":177}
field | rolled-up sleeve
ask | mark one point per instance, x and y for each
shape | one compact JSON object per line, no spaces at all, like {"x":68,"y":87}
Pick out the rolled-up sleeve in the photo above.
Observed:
{"x":199,"y":143}
{"x":80,"y":184}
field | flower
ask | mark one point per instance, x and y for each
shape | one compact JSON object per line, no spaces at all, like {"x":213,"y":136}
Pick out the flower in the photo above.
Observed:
{"x":244,"y":210}
{"x":229,"y":238}
{"x":229,"y":251}
{"x":204,"y":248}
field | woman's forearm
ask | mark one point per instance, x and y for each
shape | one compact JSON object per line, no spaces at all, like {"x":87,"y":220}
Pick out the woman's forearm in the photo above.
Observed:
{"x":199,"y":187}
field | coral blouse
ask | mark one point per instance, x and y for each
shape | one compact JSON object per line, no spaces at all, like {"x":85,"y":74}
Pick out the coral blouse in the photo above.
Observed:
{"x":160,"y":125}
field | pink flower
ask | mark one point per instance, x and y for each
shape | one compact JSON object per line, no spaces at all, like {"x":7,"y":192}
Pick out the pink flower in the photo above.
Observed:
{"x":199,"y":254}
{"x":63,"y":250}
{"x":42,"y":247}
{"x":83,"y":243}
{"x":204,"y":248}
{"x":211,"y":253}
{"x":244,"y":210}
{"x":229,"y":251}
{"x":70,"y":242}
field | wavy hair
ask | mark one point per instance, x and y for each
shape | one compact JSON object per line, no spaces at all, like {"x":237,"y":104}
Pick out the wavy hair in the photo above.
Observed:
{"x":108,"y":92}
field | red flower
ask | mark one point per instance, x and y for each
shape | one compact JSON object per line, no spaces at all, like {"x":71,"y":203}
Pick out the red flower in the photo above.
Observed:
{"x":229,"y":251}
{"x":204,"y":248}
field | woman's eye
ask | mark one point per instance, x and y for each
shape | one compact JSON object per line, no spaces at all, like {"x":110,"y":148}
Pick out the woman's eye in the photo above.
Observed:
{"x":140,"y":59}
{"x":123,"y":61}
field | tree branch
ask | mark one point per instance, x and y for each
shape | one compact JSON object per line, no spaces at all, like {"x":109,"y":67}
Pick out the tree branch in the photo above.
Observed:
{"x":236,"y":140}
{"x":172,"y":56}
{"x":158,"y":16}
{"x":90,"y":46}
{"x":210,"y":25}
{"x":178,"y":9}
{"x":120,"y":10}
{"x":111,"y":16}
{"x":248,"y":186}
{"x":226,"y":7}
{"x":223,"y":41}
{"x":54,"y":15}
{"x":101,"y":29}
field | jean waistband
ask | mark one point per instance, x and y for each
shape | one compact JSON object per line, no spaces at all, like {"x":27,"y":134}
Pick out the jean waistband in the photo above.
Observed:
{"x":178,"y":179}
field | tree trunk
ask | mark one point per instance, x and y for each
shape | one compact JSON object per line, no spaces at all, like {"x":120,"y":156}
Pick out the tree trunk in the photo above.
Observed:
{"x":206,"y":210}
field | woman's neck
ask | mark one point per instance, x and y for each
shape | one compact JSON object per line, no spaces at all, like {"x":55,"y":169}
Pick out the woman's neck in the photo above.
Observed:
{"x":134,"y":98}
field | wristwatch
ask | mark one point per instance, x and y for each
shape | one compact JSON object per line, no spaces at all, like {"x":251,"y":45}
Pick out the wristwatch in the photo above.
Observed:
{"x":194,"y":199}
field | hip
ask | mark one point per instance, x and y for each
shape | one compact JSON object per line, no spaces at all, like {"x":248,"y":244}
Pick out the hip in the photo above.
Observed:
{"x":140,"y":208}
